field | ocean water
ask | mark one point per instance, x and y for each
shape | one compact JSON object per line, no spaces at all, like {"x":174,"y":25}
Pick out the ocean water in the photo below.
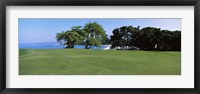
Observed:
{"x":53,"y":45}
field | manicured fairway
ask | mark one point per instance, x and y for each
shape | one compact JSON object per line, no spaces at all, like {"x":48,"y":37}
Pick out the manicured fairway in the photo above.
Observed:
{"x":98,"y":62}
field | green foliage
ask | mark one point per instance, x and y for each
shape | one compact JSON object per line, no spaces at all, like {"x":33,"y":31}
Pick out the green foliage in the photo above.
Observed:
{"x":91,"y":42}
{"x":123,"y":37}
{"x":60,"y":37}
{"x":148,"y":38}
{"x":95,"y":35}
{"x":71,"y":37}
{"x":91,"y":35}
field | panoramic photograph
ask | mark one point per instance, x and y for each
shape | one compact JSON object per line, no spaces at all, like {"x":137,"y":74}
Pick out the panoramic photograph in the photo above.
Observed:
{"x":99,"y":46}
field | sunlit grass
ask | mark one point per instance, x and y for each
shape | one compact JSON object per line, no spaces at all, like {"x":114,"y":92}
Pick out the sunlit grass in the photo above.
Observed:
{"x":98,"y":62}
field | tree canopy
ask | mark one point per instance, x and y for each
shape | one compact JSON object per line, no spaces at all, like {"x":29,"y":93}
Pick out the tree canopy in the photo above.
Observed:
{"x":92,"y":34}
{"x":95,"y":35}
{"x":148,"y":38}
{"x":71,"y":37}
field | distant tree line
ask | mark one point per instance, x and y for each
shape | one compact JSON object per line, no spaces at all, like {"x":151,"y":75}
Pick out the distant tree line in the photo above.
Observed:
{"x":123,"y":38}
{"x":148,"y":38}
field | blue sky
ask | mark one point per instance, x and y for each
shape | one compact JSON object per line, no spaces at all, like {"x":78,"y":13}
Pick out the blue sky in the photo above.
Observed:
{"x":33,"y":30}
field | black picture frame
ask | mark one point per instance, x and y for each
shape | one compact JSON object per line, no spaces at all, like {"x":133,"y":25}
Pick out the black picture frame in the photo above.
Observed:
{"x":4,"y":3}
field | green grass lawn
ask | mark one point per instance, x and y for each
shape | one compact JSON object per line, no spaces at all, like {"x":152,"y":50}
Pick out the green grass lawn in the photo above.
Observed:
{"x":98,"y":62}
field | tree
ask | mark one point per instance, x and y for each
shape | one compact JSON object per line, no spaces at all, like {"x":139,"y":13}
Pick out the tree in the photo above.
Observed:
{"x":171,"y":40}
{"x":123,"y":37}
{"x":70,"y":37}
{"x":60,"y":37}
{"x":94,"y":35}
{"x":116,"y":39}
{"x":148,"y":38}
